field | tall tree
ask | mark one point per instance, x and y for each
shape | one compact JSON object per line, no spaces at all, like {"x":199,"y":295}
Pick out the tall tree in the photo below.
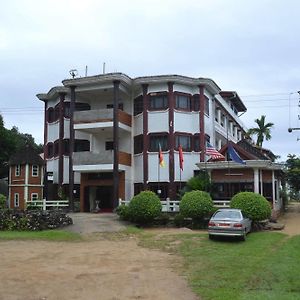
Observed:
{"x":262,"y":131}
{"x":11,"y":140}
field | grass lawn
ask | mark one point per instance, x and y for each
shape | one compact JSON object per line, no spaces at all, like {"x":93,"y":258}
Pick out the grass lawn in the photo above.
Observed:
{"x":266,"y":266}
{"x":50,"y":235}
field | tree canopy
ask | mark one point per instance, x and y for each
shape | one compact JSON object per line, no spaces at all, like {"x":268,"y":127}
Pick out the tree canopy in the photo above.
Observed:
{"x":262,"y":131}
{"x":11,"y":141}
{"x":293,"y":174}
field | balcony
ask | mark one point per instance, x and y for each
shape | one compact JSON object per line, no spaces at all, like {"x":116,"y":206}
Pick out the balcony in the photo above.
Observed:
{"x":103,"y":158}
{"x":93,"y":120}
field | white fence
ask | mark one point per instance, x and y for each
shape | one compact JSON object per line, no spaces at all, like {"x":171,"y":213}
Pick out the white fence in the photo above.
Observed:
{"x":44,"y":204}
{"x":173,"y":205}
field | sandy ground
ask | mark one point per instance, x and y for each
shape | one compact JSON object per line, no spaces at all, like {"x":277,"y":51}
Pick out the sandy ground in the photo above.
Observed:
{"x":88,"y":270}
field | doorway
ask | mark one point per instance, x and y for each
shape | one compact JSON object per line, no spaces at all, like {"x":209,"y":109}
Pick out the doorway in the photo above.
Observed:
{"x":104,"y":194}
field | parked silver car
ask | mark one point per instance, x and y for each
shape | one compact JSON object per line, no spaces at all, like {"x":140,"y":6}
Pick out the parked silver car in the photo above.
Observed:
{"x":229,"y":222}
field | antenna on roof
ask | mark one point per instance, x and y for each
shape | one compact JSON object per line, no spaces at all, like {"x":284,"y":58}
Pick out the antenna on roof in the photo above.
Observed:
{"x":73,"y":73}
{"x":103,"y":68}
{"x":86,"y":70}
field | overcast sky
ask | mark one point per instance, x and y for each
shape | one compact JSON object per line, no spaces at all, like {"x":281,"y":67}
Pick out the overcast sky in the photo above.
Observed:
{"x":250,"y":46}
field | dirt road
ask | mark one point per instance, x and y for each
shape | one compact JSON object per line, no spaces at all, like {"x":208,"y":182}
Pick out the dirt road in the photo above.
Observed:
{"x":39,"y":270}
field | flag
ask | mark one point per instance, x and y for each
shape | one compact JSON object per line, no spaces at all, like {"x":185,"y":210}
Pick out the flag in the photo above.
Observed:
{"x":180,"y":157}
{"x":161,"y":157}
{"x":212,"y":152}
{"x":234,"y":155}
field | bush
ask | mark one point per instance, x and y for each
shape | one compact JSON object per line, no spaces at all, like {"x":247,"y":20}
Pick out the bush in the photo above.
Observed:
{"x":123,"y":212}
{"x":32,"y":220}
{"x":196,"y":205}
{"x":180,"y":221}
{"x":253,"y":205}
{"x":144,"y":208}
{"x":162,"y":220}
{"x":2,"y":201}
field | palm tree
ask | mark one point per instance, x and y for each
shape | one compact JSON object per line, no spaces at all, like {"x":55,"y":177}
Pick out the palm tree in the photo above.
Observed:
{"x":262,"y":130}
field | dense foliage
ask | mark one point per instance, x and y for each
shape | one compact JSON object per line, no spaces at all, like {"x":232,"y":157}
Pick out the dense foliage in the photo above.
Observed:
{"x":253,"y":205}
{"x":196,"y":205}
{"x":11,"y":140}
{"x":144,"y":207}
{"x":293,"y":175}
{"x":32,"y":220}
{"x":2,"y":201}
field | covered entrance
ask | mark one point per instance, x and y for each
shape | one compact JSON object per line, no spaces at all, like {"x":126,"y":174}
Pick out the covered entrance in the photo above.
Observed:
{"x":96,"y":191}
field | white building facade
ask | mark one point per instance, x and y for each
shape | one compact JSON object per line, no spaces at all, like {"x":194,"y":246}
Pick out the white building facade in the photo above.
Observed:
{"x":102,"y":134}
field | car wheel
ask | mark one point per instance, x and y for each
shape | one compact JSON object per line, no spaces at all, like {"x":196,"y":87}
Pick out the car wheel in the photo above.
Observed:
{"x":211,"y":237}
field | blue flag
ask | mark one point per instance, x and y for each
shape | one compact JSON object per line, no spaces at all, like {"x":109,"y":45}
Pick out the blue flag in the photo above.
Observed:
{"x":234,"y":155}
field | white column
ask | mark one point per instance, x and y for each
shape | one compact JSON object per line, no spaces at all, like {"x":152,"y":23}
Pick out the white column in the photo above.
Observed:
{"x":261,"y":182}
{"x":219,"y":115}
{"x":26,"y":183}
{"x":256,"y":181}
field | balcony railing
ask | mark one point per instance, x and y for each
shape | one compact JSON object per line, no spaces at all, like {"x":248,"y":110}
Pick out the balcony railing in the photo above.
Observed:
{"x":101,"y":115}
{"x":106,"y":157}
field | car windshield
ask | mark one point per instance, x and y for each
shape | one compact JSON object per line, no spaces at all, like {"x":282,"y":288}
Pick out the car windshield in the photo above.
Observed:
{"x":227,"y":214}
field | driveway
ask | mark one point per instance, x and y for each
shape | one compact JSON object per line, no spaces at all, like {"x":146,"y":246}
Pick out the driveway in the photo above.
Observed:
{"x":85,"y":223}
{"x":291,"y":219}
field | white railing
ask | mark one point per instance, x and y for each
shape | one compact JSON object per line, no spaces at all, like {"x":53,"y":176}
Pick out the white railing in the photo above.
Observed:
{"x":221,"y":203}
{"x":44,"y":204}
{"x":173,"y":205}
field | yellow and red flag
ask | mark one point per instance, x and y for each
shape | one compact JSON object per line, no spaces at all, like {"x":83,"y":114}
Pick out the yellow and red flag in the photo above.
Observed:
{"x":161,"y":157}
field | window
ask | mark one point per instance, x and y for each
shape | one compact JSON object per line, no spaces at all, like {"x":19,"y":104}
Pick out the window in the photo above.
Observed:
{"x":82,"y":106}
{"x":138,"y":144}
{"x":138,"y":105}
{"x":16,"y":200}
{"x":160,"y":189}
{"x":109,"y":145}
{"x":156,"y":140}
{"x":67,"y":109}
{"x":158,"y":102}
{"x":50,"y":115}
{"x":183,"y":102}
{"x":50,"y":150}
{"x":35,"y":170}
{"x":55,"y":148}
{"x":56,"y":112}
{"x":196,"y":102}
{"x":206,"y":106}
{"x":120,"y":106}
{"x":196,"y":143}
{"x":223,"y":120}
{"x":34,"y":196}
{"x":17,"y":170}
{"x":185,"y":141}
{"x":138,"y":187}
{"x":66,"y":147}
{"x":81,"y":145}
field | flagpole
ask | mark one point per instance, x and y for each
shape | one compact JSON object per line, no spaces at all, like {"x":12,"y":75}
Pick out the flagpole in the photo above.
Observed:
{"x":179,"y":178}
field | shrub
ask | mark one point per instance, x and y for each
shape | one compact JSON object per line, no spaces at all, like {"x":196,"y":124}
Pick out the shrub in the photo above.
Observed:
{"x":196,"y":205}
{"x":162,"y":220}
{"x":123,"y":212}
{"x":253,"y":205}
{"x":33,"y":220}
{"x":144,"y":207}
{"x":180,"y":221}
{"x":2,"y":201}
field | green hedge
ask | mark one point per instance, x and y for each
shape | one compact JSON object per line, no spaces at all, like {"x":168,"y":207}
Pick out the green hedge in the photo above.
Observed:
{"x":144,"y":208}
{"x":196,"y":205}
{"x":254,"y":205}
